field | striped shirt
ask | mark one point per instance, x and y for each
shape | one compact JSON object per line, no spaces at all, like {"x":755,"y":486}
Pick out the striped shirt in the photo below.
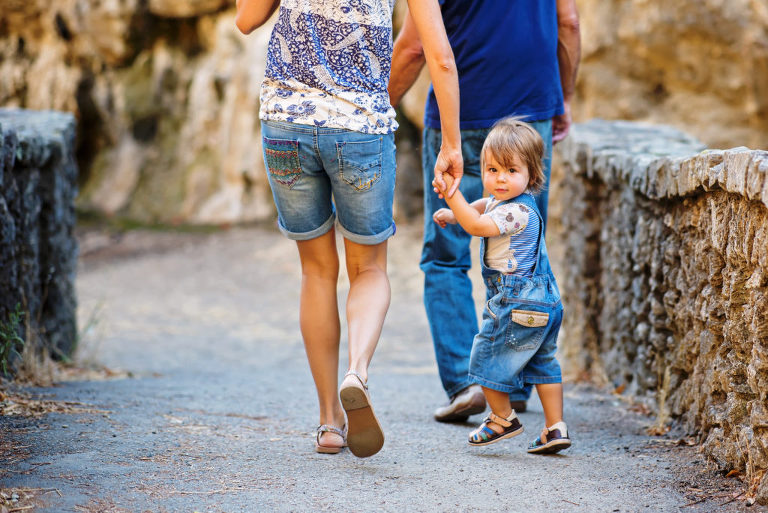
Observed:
{"x":515,"y":250}
{"x":328,"y":65}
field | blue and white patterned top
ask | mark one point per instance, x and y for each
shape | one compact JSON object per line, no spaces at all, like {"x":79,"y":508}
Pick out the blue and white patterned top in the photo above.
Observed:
{"x":328,"y":65}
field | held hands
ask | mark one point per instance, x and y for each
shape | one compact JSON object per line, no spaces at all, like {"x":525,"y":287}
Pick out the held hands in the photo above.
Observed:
{"x":449,"y":164}
{"x":442,"y":189}
{"x":443,"y":217}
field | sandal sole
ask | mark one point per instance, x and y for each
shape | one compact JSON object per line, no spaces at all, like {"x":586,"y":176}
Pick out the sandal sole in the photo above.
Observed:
{"x":551,"y":447}
{"x":323,"y":449}
{"x":364,"y":436}
{"x":511,"y":434}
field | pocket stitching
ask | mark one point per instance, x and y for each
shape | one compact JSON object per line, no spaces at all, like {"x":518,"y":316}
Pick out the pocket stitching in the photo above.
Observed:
{"x":289,"y":177}
{"x":357,"y":183}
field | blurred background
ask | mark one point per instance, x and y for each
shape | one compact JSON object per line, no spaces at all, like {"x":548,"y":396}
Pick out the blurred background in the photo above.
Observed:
{"x":166,"y":92}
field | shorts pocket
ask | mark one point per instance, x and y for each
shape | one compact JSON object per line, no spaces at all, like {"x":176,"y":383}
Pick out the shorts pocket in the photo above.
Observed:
{"x":360,"y":162}
{"x":282,"y":160}
{"x":526,"y":329}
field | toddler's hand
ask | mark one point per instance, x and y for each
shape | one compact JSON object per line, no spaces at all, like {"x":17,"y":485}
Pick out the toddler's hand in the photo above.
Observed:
{"x":448,"y":179}
{"x":443,"y":217}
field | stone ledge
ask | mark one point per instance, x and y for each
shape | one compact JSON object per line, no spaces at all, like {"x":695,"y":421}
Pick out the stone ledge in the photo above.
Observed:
{"x":662,"y":162}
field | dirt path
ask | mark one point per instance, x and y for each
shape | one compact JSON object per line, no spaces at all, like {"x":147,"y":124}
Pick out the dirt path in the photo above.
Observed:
{"x":219,"y":413}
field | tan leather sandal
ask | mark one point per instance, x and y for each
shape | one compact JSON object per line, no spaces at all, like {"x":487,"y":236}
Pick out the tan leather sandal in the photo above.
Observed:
{"x":330,"y":449}
{"x":364,"y":437}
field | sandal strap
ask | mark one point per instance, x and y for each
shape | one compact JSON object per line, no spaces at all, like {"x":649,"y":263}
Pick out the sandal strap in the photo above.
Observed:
{"x":498,"y":420}
{"x":355,"y":374}
{"x":327,"y":428}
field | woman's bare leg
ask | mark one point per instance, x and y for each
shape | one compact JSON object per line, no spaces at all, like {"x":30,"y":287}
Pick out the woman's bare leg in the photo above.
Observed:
{"x":319,"y":321}
{"x":367,"y":302}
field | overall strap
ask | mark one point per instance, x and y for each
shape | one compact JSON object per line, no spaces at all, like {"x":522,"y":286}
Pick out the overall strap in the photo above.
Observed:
{"x":527,"y":200}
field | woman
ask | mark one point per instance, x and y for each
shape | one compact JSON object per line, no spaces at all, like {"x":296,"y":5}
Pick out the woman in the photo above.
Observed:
{"x":328,"y":138}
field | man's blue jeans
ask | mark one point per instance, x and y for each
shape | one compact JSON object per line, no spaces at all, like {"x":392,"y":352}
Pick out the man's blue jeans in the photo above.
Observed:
{"x":446,"y":259}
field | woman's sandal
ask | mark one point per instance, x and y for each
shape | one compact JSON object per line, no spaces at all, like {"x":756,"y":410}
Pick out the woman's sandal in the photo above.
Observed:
{"x":552,"y":440}
{"x":330,"y":449}
{"x":364,"y":437}
{"x":484,"y":435}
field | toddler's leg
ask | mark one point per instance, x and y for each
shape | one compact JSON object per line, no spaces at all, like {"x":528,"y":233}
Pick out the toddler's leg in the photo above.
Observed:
{"x":551,"y":395}
{"x":499,"y":403}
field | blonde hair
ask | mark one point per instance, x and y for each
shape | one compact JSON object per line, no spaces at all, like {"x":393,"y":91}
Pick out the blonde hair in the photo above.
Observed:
{"x":512,"y":137}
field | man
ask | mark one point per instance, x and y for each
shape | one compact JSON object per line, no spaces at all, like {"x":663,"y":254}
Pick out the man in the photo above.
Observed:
{"x":513,"y":58}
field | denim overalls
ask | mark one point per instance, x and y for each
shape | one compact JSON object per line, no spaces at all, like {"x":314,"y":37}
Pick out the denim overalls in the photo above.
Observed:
{"x":517,"y":341}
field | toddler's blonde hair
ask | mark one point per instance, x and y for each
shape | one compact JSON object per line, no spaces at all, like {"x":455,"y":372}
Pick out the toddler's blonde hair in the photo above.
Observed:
{"x":511,"y":136}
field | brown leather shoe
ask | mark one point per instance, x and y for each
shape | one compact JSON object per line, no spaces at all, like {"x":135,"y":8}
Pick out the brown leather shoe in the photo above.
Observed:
{"x":467,"y":402}
{"x":518,"y":406}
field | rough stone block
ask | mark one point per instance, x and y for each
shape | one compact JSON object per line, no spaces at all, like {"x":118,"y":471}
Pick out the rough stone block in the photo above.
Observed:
{"x":38,"y":250}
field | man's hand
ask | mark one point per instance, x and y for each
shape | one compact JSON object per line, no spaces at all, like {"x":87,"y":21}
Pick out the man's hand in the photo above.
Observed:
{"x":561,"y":124}
{"x":449,"y":163}
{"x":444,"y":217}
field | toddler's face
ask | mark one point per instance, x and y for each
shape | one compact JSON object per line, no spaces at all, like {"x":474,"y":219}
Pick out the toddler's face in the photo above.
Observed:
{"x":505,"y":182}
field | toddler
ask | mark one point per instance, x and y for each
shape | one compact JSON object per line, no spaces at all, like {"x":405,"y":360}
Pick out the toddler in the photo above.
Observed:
{"x":518,"y":336}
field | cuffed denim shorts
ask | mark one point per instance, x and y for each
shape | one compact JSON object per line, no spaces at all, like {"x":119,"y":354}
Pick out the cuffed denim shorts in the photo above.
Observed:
{"x":319,"y":173}
{"x":517,"y":341}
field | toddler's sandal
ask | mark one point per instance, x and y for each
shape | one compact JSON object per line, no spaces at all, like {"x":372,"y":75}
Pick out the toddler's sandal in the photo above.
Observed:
{"x":555,"y":439}
{"x":484,"y":435}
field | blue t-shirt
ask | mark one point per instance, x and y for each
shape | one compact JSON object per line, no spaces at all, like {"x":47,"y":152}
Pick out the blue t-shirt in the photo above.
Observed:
{"x":506,"y":55}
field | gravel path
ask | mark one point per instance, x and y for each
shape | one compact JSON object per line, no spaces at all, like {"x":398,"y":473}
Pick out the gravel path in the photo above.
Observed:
{"x":219,"y":411}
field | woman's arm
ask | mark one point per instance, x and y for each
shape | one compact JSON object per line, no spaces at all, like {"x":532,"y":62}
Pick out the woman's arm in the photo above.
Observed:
{"x":445,"y":81}
{"x":252,"y":14}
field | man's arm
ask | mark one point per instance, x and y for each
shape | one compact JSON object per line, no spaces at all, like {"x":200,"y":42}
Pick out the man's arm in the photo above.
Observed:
{"x":568,"y":56}
{"x":252,"y":14}
{"x":407,"y":61}
{"x":445,"y":82}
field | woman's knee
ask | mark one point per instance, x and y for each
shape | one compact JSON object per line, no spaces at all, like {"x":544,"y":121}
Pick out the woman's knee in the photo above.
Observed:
{"x":362,"y":258}
{"x":319,"y":257}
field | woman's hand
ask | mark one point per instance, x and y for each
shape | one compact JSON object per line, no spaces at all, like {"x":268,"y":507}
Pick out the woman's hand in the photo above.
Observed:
{"x":449,"y":165}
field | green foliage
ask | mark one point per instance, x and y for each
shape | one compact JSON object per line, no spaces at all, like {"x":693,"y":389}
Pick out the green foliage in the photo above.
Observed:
{"x":10,"y":341}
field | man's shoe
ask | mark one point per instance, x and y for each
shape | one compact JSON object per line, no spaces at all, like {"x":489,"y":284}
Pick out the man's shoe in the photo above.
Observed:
{"x":518,"y":406}
{"x":467,"y":402}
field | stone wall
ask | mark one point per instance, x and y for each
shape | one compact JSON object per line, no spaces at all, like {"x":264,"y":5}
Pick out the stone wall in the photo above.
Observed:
{"x":38,"y":250}
{"x":662,"y":259}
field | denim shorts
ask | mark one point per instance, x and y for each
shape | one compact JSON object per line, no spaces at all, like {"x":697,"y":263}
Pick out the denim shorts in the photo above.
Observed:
{"x":517,"y":341}
{"x":319,"y":173}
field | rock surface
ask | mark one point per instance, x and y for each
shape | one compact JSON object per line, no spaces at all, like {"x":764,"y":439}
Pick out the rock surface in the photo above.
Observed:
{"x":38,"y":250}
{"x":701,"y":66}
{"x":664,"y":267}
